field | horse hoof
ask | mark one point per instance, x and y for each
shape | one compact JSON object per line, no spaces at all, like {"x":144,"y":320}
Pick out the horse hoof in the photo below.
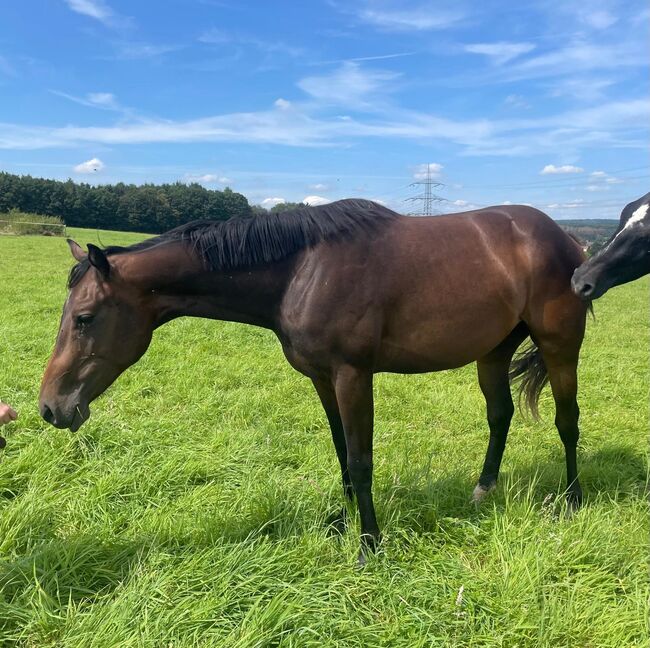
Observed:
{"x":480,"y":492}
{"x":573,"y":504}
{"x":369,"y":545}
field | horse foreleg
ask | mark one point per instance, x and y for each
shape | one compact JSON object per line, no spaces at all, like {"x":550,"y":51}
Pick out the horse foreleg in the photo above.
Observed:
{"x":325,"y":390}
{"x":354,"y":396}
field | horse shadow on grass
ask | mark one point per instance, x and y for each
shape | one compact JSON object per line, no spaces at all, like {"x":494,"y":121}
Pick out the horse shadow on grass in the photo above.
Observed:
{"x":417,"y":501}
{"x":616,"y":473}
{"x":79,"y":570}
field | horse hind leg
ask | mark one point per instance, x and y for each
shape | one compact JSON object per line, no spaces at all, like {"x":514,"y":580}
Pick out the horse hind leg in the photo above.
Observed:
{"x":493,"y":370}
{"x":562,"y":373}
{"x":559,"y":340}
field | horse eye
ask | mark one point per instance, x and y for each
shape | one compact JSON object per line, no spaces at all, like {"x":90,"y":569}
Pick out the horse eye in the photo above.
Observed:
{"x":84,"y":320}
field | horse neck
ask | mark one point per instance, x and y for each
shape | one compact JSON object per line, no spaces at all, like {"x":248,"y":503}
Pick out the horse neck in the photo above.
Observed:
{"x":174,"y":283}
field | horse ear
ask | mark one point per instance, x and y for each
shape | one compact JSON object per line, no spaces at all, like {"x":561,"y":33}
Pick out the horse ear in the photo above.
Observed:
{"x":76,"y":250}
{"x":99,"y":260}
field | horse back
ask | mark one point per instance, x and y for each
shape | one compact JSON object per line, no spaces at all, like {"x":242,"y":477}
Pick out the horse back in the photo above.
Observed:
{"x":427,"y":293}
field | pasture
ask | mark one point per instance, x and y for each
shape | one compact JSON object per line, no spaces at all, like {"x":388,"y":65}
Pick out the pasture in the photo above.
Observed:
{"x":189,"y":510}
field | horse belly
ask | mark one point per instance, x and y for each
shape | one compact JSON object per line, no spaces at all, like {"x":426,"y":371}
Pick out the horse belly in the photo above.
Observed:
{"x":422,"y":337}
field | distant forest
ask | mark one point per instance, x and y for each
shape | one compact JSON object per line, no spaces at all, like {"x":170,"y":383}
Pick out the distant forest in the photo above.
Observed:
{"x":593,"y":232}
{"x":157,"y":208}
{"x":126,"y":207}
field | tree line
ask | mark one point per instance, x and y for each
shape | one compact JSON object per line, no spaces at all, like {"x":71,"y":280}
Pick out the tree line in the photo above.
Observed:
{"x":137,"y":208}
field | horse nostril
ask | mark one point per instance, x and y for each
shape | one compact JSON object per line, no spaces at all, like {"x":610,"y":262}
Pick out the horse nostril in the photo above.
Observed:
{"x":586,"y":289}
{"x":47,"y":414}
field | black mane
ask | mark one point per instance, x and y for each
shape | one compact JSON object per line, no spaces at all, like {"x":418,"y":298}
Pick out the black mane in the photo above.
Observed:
{"x":249,"y":242}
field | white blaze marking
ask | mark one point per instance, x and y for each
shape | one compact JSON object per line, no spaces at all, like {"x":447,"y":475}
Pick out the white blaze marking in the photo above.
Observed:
{"x":638,"y":215}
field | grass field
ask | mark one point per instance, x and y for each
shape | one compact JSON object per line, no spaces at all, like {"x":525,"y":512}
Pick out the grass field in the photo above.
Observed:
{"x":189,"y":510}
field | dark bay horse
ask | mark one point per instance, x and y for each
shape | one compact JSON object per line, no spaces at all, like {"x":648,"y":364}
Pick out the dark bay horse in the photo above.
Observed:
{"x":625,"y":257}
{"x":350,"y":289}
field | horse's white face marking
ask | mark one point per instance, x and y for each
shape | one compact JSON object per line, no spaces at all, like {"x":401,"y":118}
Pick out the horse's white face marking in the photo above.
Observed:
{"x":638,"y":216}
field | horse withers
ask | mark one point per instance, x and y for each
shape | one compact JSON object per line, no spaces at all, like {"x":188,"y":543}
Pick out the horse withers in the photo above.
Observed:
{"x":624,"y":258}
{"x":350,"y":289}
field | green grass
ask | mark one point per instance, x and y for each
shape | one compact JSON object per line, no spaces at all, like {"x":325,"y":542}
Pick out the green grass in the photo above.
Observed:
{"x":22,"y":223}
{"x":189,"y":510}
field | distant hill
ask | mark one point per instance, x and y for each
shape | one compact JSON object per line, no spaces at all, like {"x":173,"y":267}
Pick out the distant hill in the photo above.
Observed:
{"x":593,"y":232}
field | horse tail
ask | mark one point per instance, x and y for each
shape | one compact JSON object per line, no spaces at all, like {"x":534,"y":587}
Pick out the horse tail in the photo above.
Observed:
{"x":528,"y":370}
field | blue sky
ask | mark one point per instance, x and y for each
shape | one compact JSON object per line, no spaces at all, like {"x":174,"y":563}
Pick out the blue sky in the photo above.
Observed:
{"x":543,"y":102}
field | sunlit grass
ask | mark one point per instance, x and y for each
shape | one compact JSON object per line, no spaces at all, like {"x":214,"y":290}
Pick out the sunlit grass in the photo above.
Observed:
{"x":189,"y":511}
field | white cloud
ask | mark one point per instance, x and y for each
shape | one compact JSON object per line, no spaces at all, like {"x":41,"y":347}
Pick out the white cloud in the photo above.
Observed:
{"x":601,"y":176}
{"x":90,"y":166}
{"x":102,"y":100}
{"x":350,"y":85}
{"x":581,"y":88}
{"x":208,"y":178}
{"x":458,"y":206}
{"x":551,"y":169}
{"x":282,"y":104}
{"x":315,"y":200}
{"x":422,"y":18}
{"x":319,"y":186}
{"x":516,"y":101}
{"x":130,"y":51}
{"x":361,"y":59}
{"x":572,"y":204}
{"x":106,"y":99}
{"x":216,"y":36}
{"x":600,"y":19}
{"x":435,"y":170}
{"x":619,"y":124}
{"x":577,"y":57}
{"x":98,"y":10}
{"x":272,"y":202}
{"x":92,"y":8}
{"x":500,"y":52}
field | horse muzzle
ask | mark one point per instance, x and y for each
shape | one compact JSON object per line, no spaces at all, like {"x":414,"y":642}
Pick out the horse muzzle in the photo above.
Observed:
{"x":586,"y":286}
{"x":68,"y":418}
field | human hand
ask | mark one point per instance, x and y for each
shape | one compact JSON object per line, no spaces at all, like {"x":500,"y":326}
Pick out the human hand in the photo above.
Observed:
{"x":7,"y":414}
